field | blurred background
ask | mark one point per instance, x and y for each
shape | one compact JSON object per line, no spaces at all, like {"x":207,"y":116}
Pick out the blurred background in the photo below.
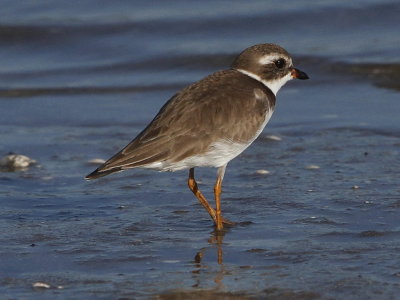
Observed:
{"x":316,"y":196}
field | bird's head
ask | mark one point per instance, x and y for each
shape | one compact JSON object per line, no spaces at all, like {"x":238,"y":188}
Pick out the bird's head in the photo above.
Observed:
{"x":268,"y":63}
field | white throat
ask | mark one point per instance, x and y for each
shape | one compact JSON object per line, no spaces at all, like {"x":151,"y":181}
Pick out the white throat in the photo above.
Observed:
{"x":273,"y":85}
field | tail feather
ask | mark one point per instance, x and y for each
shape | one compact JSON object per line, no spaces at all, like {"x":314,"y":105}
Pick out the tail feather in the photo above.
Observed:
{"x":98,"y":173}
{"x":124,"y":163}
{"x":134,"y":155}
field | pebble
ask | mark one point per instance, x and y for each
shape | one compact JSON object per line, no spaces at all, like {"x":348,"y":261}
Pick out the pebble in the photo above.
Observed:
{"x":274,"y":137}
{"x":96,"y":161}
{"x":171,"y":261}
{"x":262,"y":172}
{"x":312,"y":167}
{"x":41,"y":285}
{"x":14,"y":162}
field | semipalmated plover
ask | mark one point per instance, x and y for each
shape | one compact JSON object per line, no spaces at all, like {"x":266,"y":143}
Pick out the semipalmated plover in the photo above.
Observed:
{"x":211,"y":121}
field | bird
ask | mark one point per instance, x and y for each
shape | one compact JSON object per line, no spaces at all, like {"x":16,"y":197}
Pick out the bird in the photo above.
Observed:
{"x":210,"y":122}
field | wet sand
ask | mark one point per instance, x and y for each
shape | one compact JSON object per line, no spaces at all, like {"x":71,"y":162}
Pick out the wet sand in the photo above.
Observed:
{"x":316,"y":197}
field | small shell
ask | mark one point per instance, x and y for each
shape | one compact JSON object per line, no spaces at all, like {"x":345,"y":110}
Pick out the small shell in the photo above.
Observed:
{"x":13,"y":162}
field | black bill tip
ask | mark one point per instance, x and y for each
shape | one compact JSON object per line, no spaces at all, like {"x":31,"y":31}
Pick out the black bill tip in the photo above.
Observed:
{"x":296,"y":73}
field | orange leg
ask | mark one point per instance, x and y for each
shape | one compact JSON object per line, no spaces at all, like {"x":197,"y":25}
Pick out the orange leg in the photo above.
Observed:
{"x":195,"y":190}
{"x":217,"y":194}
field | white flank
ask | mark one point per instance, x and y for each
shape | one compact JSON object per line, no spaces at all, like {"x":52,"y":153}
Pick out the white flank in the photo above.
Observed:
{"x":273,"y":85}
{"x":219,"y":154}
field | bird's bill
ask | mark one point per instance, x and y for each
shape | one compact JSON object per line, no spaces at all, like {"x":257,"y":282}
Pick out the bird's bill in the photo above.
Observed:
{"x":296,"y":73}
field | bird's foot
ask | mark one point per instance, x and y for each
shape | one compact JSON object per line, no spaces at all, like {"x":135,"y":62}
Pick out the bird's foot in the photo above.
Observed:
{"x":227,"y":222}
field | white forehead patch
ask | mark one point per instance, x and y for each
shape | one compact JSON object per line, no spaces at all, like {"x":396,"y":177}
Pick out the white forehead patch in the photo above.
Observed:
{"x":270,"y":58}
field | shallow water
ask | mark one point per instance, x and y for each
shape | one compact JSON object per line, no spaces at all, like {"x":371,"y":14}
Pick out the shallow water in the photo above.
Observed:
{"x":79,"y":81}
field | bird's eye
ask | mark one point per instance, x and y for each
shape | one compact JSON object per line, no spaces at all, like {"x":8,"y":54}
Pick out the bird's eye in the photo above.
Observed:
{"x":280,"y":63}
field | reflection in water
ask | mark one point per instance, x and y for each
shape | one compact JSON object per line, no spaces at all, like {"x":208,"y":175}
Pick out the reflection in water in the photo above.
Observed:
{"x":216,"y":239}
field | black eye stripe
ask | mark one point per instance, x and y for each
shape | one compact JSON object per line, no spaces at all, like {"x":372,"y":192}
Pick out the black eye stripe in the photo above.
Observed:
{"x":280,"y":63}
